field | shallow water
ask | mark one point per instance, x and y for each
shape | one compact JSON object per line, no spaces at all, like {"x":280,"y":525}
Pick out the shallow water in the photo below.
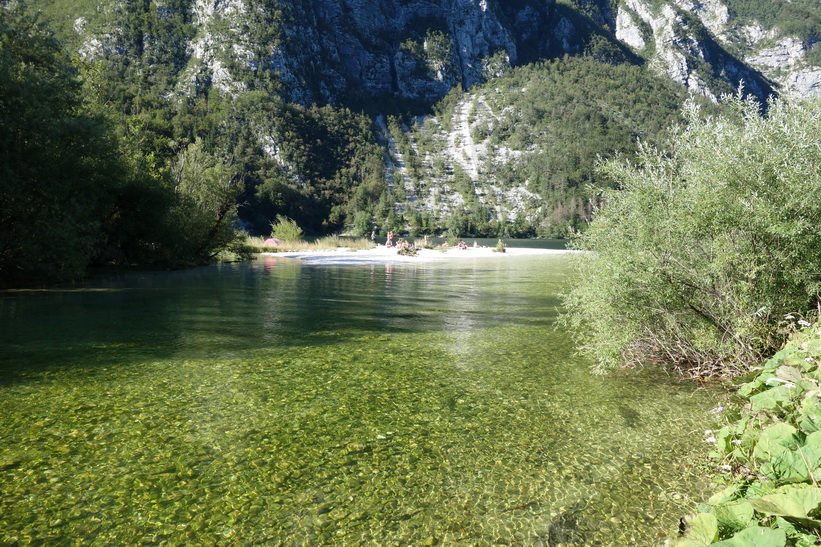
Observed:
{"x":278,"y":402}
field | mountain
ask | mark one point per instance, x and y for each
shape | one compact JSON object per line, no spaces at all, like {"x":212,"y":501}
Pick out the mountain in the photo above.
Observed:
{"x":483,"y":116}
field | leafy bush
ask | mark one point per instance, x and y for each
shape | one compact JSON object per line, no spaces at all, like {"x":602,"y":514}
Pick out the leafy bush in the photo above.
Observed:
{"x":240,"y":249}
{"x":705,"y":249}
{"x":770,"y":455}
{"x":286,"y":229}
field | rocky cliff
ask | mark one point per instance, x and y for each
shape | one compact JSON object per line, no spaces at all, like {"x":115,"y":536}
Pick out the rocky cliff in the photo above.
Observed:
{"x":701,"y":46}
{"x":327,"y":51}
{"x":322,"y":50}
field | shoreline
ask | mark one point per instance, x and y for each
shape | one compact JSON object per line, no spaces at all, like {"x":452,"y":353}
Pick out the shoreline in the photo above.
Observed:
{"x":382,"y":254}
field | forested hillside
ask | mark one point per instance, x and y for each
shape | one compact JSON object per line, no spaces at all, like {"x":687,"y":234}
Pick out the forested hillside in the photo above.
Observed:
{"x":516,"y":156}
{"x":200,"y":120}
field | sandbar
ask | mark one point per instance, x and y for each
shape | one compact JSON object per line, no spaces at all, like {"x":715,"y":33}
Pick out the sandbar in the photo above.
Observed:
{"x":382,"y":254}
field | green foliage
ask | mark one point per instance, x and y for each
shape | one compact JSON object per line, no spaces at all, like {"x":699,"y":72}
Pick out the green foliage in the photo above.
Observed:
{"x":330,"y":167}
{"x":207,"y":187}
{"x":703,"y":250}
{"x":58,"y":163}
{"x":792,"y":17}
{"x":770,"y":454}
{"x":240,"y":249}
{"x":286,"y":229}
{"x":111,"y":188}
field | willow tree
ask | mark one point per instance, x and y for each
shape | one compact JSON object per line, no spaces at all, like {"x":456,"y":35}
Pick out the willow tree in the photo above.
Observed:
{"x":707,"y":250}
{"x":207,"y":186}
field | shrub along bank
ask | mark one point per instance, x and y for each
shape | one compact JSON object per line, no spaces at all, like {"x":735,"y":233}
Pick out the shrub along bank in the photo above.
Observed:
{"x":694,"y":263}
{"x":769,"y":452}
{"x":702,"y":251}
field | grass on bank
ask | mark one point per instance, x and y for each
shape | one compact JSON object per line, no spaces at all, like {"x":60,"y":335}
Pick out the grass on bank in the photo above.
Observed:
{"x":328,"y":243}
{"x":246,"y":247}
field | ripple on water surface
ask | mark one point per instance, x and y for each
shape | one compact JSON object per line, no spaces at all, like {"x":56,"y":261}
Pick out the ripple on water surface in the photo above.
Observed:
{"x":279,"y":403}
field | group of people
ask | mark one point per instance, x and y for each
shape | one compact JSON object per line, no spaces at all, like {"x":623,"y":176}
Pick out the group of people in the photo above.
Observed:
{"x":405,"y":244}
{"x":400,"y":243}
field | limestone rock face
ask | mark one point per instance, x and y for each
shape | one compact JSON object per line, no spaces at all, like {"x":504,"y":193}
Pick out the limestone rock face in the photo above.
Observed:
{"x":323,"y":50}
{"x":333,"y":51}
{"x":686,"y":46}
{"x":699,"y":45}
{"x":786,"y":62}
{"x":418,"y":49}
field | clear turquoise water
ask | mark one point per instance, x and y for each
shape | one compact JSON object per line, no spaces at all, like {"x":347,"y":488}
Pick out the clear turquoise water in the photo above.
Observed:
{"x":284,"y":403}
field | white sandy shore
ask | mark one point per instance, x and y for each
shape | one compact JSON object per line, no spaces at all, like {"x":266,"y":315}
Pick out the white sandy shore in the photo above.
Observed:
{"x":382,"y":254}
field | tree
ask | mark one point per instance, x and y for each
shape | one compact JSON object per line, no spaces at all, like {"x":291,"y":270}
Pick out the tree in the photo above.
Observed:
{"x":699,"y":257}
{"x":207,"y":187}
{"x":58,"y":163}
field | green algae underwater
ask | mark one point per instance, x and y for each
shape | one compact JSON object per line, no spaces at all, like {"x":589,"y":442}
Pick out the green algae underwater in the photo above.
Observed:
{"x":281,"y":402}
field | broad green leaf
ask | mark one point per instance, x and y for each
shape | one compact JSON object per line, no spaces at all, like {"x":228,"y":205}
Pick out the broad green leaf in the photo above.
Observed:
{"x":811,"y":423}
{"x":749,"y":441}
{"x":806,"y":522}
{"x":724,"y":496}
{"x":756,"y":385}
{"x":814,"y":373}
{"x":723,"y":438}
{"x":776,"y":438}
{"x":734,"y":515}
{"x":703,"y":529}
{"x":788,"y":466}
{"x":755,"y":536}
{"x":776,"y":360}
{"x":811,"y":454}
{"x":796,"y":359}
{"x":775,"y":398}
{"x":810,"y":412}
{"x":741,"y":425}
{"x":788,"y":373}
{"x":757,"y":489}
{"x":790,"y":502}
{"x":805,"y":385}
{"x":813,"y":441}
{"x":799,"y":536}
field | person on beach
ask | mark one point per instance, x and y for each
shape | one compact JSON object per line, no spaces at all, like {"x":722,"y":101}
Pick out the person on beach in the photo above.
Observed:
{"x":389,"y":243}
{"x":373,"y":237}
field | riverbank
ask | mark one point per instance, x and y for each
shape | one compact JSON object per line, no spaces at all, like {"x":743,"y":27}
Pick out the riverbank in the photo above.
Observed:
{"x":380,"y":254}
{"x":769,"y":455}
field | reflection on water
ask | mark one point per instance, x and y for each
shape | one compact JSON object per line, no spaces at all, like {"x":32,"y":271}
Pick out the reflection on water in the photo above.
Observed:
{"x":278,"y":402}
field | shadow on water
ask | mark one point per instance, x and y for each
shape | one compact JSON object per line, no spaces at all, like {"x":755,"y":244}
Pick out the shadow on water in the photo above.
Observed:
{"x":564,"y":529}
{"x":630,"y":416}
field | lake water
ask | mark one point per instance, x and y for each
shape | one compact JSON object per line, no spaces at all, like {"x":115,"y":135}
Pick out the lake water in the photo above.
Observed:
{"x":284,"y":403}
